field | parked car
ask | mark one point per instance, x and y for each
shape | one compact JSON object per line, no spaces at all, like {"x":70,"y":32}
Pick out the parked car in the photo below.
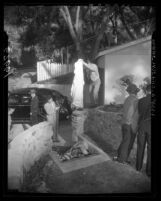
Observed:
{"x":21,"y":99}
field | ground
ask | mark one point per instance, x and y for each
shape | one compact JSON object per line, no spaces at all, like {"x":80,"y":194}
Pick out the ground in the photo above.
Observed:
{"x":107,"y":177}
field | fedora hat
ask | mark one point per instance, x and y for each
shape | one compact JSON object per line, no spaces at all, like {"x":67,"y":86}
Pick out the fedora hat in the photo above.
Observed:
{"x":132,"y":88}
{"x":32,"y":91}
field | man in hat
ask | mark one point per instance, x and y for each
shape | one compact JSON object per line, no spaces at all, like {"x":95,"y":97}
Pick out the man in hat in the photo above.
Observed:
{"x":144,"y":131}
{"x":34,"y":107}
{"x":128,"y":133}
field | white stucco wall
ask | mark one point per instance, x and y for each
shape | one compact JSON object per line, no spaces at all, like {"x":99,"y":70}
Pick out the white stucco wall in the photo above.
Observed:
{"x":25,"y":149}
{"x":135,"y":60}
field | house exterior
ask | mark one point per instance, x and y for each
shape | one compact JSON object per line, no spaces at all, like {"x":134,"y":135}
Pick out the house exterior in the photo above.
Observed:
{"x":133,"y":58}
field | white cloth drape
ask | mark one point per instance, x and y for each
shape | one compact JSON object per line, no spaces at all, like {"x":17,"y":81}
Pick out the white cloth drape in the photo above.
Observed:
{"x":78,"y":84}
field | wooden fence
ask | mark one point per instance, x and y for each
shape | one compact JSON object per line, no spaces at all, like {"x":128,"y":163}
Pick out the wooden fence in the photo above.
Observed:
{"x":47,"y":70}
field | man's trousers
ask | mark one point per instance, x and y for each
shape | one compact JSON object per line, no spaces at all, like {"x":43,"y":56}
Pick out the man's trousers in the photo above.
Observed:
{"x":144,"y":136}
{"x":93,"y":90}
{"x":128,"y":138}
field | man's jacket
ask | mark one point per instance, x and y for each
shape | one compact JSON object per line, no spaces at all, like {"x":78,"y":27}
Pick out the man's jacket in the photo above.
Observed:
{"x":34,"y":105}
{"x":144,"y":108}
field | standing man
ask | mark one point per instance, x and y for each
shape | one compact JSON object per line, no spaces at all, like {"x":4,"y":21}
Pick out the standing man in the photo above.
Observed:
{"x":95,"y":81}
{"x":128,"y":133}
{"x":34,"y":107}
{"x":144,"y":132}
{"x":50,"y":108}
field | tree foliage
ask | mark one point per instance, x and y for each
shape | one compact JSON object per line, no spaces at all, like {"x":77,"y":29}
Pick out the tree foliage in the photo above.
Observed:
{"x":87,"y":29}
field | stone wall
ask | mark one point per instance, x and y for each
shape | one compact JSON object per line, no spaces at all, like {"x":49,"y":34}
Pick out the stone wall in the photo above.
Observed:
{"x":25,"y":149}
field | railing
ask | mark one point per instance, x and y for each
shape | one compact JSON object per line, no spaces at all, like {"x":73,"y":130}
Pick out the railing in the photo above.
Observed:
{"x":47,"y":70}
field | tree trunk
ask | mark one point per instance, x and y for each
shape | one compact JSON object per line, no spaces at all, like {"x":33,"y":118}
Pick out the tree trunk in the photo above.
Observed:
{"x":96,"y":46}
{"x":75,"y":31}
{"x":79,"y":50}
{"x":100,"y":33}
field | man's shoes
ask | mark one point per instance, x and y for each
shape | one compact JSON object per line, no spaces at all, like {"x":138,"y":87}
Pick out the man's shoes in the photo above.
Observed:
{"x":115,"y":158}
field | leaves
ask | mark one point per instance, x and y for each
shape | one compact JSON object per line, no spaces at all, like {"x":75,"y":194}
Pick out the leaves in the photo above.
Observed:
{"x":46,"y":28}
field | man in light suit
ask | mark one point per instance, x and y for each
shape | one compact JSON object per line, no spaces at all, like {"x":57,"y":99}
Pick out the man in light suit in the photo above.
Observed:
{"x":50,"y":108}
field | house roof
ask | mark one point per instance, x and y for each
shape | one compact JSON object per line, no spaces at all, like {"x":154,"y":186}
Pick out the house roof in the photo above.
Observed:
{"x":120,"y":47}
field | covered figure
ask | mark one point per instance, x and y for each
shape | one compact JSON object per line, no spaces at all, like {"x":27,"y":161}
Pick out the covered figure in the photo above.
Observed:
{"x":77,"y":101}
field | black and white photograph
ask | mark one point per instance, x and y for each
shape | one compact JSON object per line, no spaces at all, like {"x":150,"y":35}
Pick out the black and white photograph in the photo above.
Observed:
{"x":79,"y":98}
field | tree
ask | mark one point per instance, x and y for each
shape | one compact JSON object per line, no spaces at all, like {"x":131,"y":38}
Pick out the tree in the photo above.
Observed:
{"x":47,"y":29}
{"x":85,"y":21}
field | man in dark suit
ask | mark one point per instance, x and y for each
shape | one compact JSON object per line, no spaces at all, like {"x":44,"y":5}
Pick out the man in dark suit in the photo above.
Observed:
{"x":144,"y":132}
{"x":128,"y":133}
{"x":34,"y":108}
